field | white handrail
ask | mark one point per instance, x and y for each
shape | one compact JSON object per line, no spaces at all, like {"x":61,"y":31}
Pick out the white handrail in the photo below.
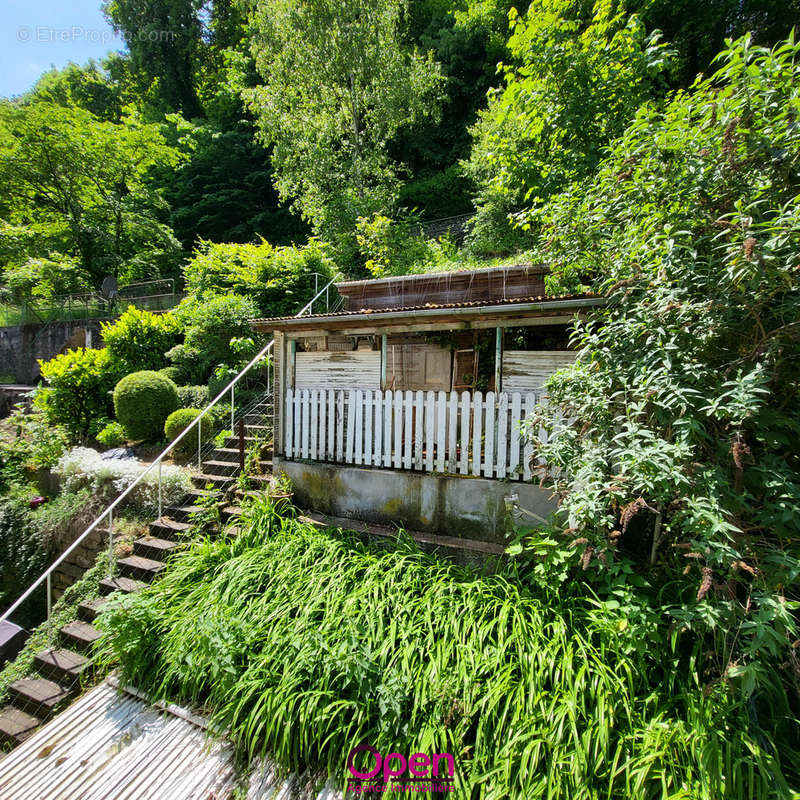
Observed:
{"x":45,"y":576}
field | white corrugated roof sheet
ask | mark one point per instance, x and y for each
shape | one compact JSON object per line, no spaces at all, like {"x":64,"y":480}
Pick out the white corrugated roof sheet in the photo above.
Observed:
{"x":114,"y":746}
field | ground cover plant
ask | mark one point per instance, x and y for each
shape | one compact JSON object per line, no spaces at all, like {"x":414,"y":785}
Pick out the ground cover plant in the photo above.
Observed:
{"x":306,"y":643}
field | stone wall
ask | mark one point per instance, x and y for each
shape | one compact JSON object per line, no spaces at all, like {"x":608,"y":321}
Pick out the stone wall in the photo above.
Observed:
{"x":22,"y":345}
{"x":78,"y":561}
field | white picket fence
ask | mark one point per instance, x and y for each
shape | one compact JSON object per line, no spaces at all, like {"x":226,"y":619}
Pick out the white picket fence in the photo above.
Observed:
{"x":466,"y":434}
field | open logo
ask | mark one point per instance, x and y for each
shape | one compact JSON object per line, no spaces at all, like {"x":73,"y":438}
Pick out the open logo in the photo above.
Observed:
{"x":371,"y":772}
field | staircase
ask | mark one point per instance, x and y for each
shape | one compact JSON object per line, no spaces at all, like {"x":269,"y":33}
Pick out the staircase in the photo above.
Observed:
{"x":58,"y":672}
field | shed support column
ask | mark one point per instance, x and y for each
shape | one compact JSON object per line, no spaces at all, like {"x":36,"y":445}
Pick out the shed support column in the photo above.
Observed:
{"x":498,"y":360}
{"x":383,"y":362}
{"x":278,"y":391}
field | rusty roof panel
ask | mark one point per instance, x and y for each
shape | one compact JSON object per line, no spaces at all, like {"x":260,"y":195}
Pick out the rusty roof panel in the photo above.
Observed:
{"x":476,"y":304}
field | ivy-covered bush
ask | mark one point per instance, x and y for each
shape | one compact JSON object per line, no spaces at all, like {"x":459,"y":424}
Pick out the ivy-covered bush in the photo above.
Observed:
{"x":279,"y":280}
{"x":142,"y":402}
{"x":84,"y":468}
{"x":77,"y":391}
{"x":139,"y":339}
{"x":179,"y":420}
{"x":679,"y":471}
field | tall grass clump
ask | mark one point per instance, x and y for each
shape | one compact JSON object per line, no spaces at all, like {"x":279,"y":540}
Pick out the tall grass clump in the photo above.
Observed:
{"x":305,"y":643}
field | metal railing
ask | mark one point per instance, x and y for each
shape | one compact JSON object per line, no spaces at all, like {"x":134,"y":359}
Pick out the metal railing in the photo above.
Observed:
{"x":196,"y":423}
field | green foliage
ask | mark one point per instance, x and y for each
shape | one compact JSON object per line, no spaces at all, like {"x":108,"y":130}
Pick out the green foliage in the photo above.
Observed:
{"x":392,"y":247}
{"x":164,"y":39}
{"x":89,"y":87}
{"x":398,"y":246}
{"x":138,"y":339}
{"x":173,"y":373}
{"x":210,"y":324}
{"x":23,"y":556}
{"x":680,"y":455}
{"x":193,"y":396}
{"x":111,"y":435}
{"x":79,"y":184}
{"x":304,"y":643}
{"x":339,"y":83}
{"x":33,"y":444}
{"x":78,"y":389}
{"x":223,"y":191}
{"x":142,"y":402}
{"x":574,"y":82}
{"x":278,"y":279}
{"x":179,"y":420}
{"x":43,"y":278}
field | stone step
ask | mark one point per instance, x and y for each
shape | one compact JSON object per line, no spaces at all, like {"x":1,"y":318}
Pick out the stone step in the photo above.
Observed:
{"x":16,"y":726}
{"x":228,"y":454}
{"x":140,"y":568}
{"x":232,"y":442}
{"x":79,"y":635}
{"x":38,"y":696}
{"x":166,"y":528}
{"x":219,"y":482}
{"x":89,"y":609}
{"x":63,"y":666}
{"x":258,"y":429}
{"x":182,"y":513}
{"x":120,"y":584}
{"x":155,"y":548}
{"x":231,"y":512}
{"x":227,"y":468}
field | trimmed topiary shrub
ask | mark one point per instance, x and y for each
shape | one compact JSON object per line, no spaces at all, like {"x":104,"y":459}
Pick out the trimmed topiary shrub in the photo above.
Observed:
{"x":179,"y":420}
{"x":142,"y":403}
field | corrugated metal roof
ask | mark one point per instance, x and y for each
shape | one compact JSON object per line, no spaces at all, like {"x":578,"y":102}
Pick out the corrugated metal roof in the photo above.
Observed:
{"x":110,"y":745}
{"x":427,"y":276}
{"x":477,"y":304}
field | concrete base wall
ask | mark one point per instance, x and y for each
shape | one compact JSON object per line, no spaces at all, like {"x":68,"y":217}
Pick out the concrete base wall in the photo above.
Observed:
{"x":472,"y":508}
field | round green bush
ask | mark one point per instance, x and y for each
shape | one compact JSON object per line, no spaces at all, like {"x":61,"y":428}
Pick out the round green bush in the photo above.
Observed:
{"x":142,"y":403}
{"x":112,"y":435}
{"x":179,"y":420}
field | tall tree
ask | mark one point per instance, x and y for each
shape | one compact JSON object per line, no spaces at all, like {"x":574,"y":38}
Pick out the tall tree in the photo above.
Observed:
{"x":82,"y":183}
{"x":165,"y":40}
{"x":576,"y":77}
{"x":339,"y":83}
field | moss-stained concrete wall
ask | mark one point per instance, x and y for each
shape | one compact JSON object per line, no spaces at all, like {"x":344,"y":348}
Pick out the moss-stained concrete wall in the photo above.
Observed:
{"x":473,"y":508}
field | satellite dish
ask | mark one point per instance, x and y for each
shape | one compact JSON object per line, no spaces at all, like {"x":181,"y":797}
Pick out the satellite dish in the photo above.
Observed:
{"x":108,"y":288}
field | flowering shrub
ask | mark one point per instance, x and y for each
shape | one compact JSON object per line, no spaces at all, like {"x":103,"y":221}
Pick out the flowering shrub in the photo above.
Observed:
{"x":83,"y":467}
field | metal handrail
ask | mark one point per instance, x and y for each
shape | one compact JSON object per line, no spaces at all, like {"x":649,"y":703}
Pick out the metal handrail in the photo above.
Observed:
{"x":46,"y":575}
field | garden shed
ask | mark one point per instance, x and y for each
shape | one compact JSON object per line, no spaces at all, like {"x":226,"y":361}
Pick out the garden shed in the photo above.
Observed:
{"x":406,"y":406}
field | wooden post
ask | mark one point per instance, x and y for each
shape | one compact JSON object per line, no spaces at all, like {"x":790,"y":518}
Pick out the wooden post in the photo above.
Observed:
{"x":498,"y":360}
{"x":241,"y":443}
{"x":383,"y":362}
